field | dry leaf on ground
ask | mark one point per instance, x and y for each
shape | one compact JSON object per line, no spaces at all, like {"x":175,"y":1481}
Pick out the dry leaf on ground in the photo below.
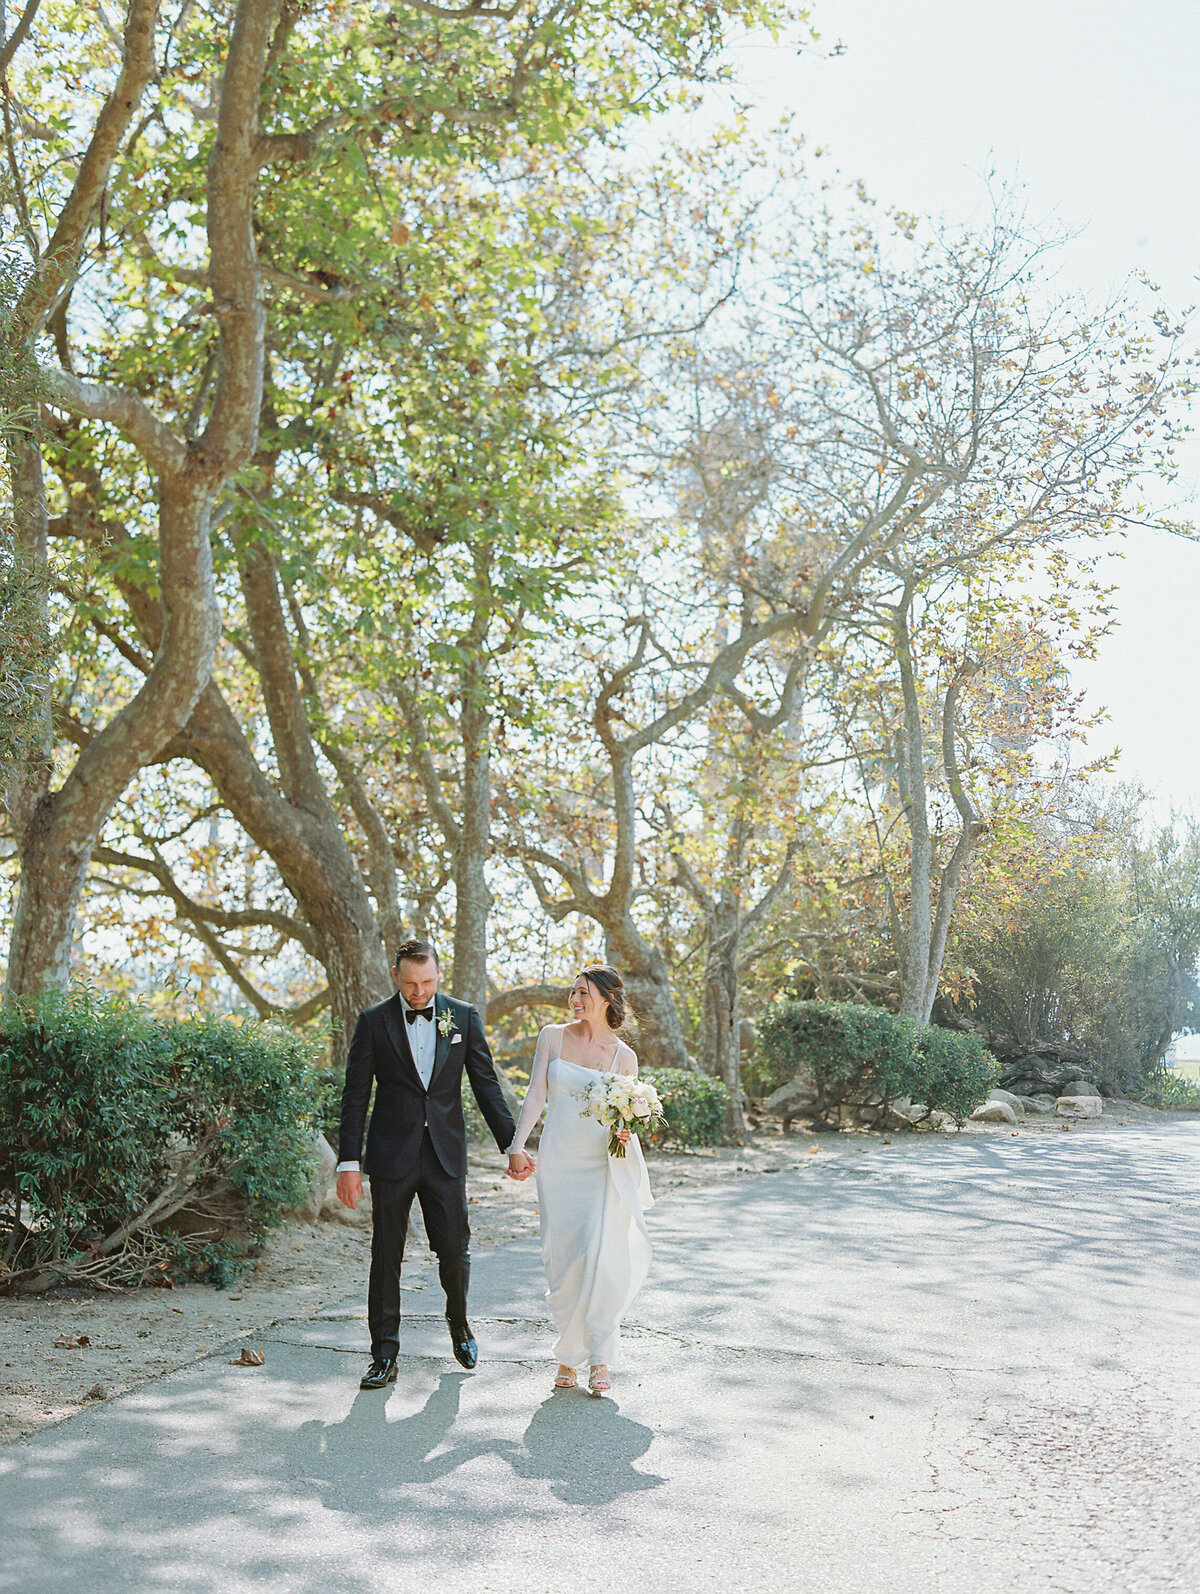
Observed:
{"x":65,"y":1342}
{"x":248,"y":1358}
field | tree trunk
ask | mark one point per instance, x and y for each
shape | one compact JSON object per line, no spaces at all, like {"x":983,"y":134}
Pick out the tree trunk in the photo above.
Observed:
{"x":63,"y":827}
{"x":473,"y":900}
{"x":311,"y":854}
{"x":660,"y":1042}
{"x":720,"y":1053}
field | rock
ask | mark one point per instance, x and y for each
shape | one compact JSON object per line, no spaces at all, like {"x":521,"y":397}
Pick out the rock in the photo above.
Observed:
{"x":509,"y":1091}
{"x":1079,"y":1107}
{"x":796,"y":1099}
{"x":97,"y":1392}
{"x":995,"y":1112}
{"x":1078,"y":1087}
{"x":1037,"y":1104}
{"x":332,"y":1210}
{"x":323,"y":1167}
{"x":1014,"y":1102}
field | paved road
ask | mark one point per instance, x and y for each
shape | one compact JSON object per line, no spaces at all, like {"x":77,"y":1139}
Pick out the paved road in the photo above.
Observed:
{"x":947,"y":1367}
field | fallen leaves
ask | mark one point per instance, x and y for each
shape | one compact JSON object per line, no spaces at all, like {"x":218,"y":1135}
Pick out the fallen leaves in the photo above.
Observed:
{"x":247,"y":1358}
{"x":812,"y":1150}
{"x":66,"y":1342}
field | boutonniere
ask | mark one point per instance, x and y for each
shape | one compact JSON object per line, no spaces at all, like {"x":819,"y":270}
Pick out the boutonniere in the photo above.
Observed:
{"x":446,"y":1025}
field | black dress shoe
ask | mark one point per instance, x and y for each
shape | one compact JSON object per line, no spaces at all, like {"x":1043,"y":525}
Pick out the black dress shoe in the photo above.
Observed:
{"x":466,"y":1352}
{"x":382,"y":1371}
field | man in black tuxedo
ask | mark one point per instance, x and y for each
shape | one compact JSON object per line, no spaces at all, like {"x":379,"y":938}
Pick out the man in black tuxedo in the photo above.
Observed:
{"x":414,"y":1047}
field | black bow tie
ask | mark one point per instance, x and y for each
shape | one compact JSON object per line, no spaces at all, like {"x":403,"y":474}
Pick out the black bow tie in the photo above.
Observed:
{"x":414,"y":1013}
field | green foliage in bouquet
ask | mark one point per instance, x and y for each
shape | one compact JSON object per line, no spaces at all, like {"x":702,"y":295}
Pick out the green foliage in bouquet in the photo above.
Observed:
{"x":114,"y":1125}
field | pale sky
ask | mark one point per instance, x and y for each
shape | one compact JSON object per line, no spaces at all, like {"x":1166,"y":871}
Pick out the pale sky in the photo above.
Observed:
{"x":1092,"y":107}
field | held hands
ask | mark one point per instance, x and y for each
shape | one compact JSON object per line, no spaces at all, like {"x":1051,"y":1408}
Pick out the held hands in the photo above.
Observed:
{"x":349,"y":1188}
{"x":520,"y":1166}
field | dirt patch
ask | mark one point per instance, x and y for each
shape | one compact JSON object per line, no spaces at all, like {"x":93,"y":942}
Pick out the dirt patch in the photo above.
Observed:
{"x":57,"y":1349}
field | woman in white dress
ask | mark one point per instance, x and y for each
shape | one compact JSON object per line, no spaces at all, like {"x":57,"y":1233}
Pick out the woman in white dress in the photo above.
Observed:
{"x":592,"y":1206}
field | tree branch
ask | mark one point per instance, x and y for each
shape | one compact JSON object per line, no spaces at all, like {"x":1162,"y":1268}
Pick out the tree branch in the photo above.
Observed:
{"x":158,"y":445}
{"x":17,"y":37}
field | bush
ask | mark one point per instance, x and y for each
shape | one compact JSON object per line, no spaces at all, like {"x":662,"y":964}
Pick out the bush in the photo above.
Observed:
{"x":1173,"y":1092}
{"x":694,"y":1105}
{"x":950,"y":1072}
{"x":112,"y":1125}
{"x":853,"y":1053}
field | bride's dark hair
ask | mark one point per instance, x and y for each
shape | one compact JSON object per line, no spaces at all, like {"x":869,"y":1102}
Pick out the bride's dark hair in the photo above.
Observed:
{"x":612,"y":988}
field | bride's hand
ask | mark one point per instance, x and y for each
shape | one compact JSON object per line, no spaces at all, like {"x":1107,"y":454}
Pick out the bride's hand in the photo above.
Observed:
{"x":623,"y":1136}
{"x":520,"y":1166}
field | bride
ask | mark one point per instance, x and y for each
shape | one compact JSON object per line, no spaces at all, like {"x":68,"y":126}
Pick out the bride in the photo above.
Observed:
{"x":592,"y":1206}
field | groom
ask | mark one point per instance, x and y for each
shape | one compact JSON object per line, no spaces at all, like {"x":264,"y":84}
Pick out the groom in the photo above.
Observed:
{"x":414,"y":1047}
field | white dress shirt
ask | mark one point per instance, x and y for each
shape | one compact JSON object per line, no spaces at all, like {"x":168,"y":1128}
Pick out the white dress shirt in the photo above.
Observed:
{"x":422,"y":1043}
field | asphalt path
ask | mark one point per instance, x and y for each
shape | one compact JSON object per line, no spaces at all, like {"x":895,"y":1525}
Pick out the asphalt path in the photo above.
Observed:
{"x":951,"y":1366}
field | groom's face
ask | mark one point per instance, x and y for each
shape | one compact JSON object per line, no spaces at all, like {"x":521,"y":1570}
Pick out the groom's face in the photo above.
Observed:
{"x":417,"y":979}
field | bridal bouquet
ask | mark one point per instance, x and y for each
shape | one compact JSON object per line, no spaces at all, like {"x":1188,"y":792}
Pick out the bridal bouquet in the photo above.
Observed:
{"x":623,"y":1102}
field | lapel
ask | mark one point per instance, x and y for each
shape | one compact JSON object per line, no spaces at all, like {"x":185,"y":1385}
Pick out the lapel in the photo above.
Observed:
{"x":393,"y":1018}
{"x":442,"y":1049}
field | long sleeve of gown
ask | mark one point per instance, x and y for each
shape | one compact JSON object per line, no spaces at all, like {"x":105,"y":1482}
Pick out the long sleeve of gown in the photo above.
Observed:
{"x":535,"y":1095}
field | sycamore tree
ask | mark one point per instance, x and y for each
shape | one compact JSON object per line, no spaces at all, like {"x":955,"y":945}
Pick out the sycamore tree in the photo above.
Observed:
{"x":924,"y":434}
{"x":374,"y":164}
{"x":242,"y":187}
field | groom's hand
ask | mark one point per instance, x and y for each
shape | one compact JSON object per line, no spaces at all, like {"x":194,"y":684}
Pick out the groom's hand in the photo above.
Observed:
{"x":349,"y":1188}
{"x":520,"y":1165}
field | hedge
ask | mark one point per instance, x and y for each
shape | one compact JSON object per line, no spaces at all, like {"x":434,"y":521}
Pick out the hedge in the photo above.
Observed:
{"x":112,"y":1124}
{"x":852,"y":1052}
{"x":694,"y":1105}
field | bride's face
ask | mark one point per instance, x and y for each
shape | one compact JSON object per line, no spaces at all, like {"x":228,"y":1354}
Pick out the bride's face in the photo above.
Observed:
{"x":586,"y":1002}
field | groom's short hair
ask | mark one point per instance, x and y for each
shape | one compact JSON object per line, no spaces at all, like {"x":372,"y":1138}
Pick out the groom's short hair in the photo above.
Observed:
{"x":415,"y":951}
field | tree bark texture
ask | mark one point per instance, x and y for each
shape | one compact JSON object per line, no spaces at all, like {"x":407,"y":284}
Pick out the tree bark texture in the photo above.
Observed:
{"x":61,"y":828}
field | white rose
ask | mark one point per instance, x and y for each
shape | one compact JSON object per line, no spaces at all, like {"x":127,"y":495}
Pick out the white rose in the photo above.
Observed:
{"x":641,"y":1107}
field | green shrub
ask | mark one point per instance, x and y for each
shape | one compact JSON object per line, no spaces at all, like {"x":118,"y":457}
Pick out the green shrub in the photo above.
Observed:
{"x":1173,"y":1092}
{"x":855,"y":1053}
{"x":950,"y":1071}
{"x":694,"y":1104}
{"x":477,"y":1129}
{"x":112,"y":1123}
{"x":846,"y":1048}
{"x":254,"y":1091}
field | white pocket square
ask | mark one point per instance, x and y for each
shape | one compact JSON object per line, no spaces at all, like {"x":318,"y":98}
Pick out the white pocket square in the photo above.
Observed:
{"x":455,"y":1040}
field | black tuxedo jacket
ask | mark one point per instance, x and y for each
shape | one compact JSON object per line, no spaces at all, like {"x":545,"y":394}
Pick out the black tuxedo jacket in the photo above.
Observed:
{"x":379,"y":1051}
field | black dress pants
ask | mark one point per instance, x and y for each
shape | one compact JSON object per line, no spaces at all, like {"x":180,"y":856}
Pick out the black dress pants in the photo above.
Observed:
{"x":443,"y":1201}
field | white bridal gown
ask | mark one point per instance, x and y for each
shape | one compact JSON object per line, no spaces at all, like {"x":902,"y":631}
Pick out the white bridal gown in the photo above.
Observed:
{"x":592,"y":1206}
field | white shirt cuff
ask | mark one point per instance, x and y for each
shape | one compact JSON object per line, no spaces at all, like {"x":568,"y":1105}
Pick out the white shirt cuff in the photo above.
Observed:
{"x":347,"y":1167}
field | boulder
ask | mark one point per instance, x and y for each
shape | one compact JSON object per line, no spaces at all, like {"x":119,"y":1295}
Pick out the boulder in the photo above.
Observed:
{"x":995,"y":1112}
{"x":1078,"y":1087}
{"x":796,"y":1099}
{"x":1014,"y":1102}
{"x":1079,"y":1107}
{"x":1043,"y":1105}
{"x":322,"y":1165}
{"x":332,"y":1210}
